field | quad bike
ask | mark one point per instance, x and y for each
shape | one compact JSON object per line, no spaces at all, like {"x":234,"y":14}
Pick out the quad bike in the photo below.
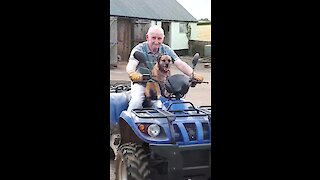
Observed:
{"x":172,"y":141}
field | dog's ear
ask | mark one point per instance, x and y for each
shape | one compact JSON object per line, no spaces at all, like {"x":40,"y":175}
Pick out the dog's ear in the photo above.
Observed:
{"x":159,"y":57}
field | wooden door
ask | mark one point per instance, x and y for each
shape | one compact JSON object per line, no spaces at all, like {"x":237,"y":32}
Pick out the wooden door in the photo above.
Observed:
{"x":124,"y":39}
{"x":140,"y":30}
{"x":113,"y":41}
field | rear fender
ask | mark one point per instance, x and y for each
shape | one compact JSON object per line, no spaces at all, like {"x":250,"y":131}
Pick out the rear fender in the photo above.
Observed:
{"x":118,"y":103}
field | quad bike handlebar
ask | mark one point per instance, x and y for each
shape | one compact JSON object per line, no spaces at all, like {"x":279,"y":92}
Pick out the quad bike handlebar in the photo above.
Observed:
{"x":194,"y":82}
{"x":177,"y":84}
{"x":145,"y":78}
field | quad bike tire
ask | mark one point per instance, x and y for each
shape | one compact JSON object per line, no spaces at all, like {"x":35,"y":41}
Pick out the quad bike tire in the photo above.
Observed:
{"x":132,"y":163}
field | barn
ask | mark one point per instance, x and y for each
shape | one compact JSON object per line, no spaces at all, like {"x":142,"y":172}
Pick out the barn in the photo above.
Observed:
{"x":130,"y":20}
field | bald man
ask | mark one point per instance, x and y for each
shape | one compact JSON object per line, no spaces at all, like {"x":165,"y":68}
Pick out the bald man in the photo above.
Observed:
{"x":152,"y":48}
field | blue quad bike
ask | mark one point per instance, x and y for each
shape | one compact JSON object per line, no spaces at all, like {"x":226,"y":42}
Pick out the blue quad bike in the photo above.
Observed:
{"x":171,"y":142}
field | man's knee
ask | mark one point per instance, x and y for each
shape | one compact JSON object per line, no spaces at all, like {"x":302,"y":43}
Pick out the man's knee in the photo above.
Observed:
{"x":136,"y":102}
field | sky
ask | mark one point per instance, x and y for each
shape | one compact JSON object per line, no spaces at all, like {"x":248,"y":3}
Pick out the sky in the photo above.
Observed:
{"x":197,"y":8}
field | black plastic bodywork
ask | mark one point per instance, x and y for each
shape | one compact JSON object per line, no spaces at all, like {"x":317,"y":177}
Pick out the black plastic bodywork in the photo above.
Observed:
{"x":178,"y":85}
{"x":182,"y":162}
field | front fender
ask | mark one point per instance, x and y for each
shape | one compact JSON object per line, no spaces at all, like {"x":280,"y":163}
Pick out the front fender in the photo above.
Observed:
{"x":131,"y":120}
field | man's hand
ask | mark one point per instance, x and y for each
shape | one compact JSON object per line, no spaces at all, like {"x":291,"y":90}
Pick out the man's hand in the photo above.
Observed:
{"x":198,"y":77}
{"x":135,"y":76}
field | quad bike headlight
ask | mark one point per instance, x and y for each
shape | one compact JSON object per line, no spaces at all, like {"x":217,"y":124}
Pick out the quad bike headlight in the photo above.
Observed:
{"x":153,"y":130}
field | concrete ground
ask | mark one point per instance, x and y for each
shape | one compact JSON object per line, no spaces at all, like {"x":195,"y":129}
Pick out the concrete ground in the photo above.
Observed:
{"x":199,"y":95}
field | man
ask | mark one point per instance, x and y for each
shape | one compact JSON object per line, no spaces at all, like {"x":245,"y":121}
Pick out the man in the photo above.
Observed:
{"x":152,"y":48}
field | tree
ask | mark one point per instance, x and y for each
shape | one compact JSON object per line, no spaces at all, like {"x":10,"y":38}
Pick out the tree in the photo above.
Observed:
{"x":204,"y":19}
{"x":188,"y":33}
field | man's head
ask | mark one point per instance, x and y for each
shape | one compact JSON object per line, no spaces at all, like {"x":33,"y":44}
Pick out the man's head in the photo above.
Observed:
{"x":155,"y":37}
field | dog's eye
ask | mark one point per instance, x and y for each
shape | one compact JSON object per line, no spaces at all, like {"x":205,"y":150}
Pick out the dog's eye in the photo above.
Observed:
{"x":163,"y":60}
{"x":169,"y":60}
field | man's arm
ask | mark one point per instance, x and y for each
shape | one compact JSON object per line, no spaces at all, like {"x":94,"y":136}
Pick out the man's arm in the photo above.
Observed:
{"x":186,"y":69}
{"x":131,"y":68}
{"x":183,"y":67}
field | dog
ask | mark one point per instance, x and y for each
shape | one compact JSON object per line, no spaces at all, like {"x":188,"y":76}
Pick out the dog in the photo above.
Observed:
{"x":160,"y":72}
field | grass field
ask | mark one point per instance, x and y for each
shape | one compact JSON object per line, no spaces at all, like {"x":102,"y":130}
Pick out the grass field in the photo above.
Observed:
{"x":204,"y":33}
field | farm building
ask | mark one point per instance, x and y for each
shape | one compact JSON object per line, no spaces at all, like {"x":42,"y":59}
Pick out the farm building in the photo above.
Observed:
{"x":130,"y":21}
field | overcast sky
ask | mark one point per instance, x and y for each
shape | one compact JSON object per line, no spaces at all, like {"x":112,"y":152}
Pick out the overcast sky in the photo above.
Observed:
{"x":197,"y":8}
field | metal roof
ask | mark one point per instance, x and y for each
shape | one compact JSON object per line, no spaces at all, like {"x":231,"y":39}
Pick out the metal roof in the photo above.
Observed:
{"x":169,"y":10}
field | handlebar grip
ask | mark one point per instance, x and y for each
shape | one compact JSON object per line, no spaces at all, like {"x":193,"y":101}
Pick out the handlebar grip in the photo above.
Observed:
{"x":142,"y":81}
{"x":194,"y":83}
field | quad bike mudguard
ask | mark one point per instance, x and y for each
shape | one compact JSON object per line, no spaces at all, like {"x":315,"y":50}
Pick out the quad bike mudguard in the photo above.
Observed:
{"x":185,"y":123}
{"x":118,"y":103}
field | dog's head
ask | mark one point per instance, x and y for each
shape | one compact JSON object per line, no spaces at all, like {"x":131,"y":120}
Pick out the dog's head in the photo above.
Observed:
{"x":164,"y":62}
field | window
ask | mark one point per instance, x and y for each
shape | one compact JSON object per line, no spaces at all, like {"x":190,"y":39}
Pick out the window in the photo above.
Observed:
{"x":183,"y":27}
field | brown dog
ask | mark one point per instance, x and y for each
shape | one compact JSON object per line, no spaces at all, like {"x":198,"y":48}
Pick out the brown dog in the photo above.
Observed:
{"x":152,"y":91}
{"x":160,"y":72}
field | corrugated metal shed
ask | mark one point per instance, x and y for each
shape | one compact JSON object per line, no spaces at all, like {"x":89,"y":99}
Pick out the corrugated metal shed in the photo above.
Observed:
{"x":168,"y":10}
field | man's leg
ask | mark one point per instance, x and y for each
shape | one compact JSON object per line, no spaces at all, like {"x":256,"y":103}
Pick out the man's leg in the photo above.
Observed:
{"x":137,"y":97}
{"x":157,"y":104}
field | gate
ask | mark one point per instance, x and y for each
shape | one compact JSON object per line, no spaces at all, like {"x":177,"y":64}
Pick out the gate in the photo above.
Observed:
{"x":113,"y":41}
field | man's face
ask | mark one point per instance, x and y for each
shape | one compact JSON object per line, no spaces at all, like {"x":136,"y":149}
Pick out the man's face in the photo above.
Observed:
{"x":155,"y":38}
